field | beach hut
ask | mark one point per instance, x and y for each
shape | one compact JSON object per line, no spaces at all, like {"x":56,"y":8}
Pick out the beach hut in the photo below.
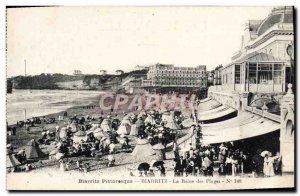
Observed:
{"x":106,"y":125}
{"x":33,"y":151}
{"x":143,"y":149}
{"x":135,"y":127}
{"x":79,"y":136}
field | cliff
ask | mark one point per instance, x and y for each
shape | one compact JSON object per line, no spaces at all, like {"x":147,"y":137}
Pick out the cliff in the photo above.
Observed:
{"x":74,"y":82}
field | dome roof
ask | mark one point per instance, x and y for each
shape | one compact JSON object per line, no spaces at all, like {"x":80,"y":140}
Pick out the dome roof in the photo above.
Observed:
{"x":278,"y":15}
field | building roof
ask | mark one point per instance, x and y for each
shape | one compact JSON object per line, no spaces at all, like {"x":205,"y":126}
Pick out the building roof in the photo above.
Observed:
{"x":278,"y":15}
{"x":257,"y":57}
{"x":220,"y":134}
{"x":254,"y":24}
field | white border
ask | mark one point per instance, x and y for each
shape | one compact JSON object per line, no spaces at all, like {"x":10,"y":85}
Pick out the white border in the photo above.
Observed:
{"x":5,"y":3}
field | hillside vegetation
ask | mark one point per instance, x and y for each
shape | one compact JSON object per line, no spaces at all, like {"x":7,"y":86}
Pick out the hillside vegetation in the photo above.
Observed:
{"x":63,"y":81}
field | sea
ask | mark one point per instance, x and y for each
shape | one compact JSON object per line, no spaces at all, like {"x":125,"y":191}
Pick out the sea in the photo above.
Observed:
{"x":24,"y":104}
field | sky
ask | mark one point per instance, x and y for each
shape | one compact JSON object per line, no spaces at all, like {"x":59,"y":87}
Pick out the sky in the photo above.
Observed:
{"x":62,"y":39}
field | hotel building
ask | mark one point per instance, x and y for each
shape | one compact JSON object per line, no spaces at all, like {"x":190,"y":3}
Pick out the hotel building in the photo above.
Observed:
{"x":167,"y":75}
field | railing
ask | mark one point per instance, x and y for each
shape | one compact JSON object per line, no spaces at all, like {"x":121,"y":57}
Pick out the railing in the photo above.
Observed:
{"x":254,"y":88}
{"x":265,"y":114}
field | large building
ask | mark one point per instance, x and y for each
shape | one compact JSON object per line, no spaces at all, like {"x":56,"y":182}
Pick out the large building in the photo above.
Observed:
{"x":262,"y":65}
{"x":167,"y":75}
{"x":257,"y":81}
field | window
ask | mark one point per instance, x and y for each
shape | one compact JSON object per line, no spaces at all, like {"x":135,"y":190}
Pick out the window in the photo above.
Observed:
{"x":277,"y":74}
{"x":252,"y":73}
{"x":237,"y":74}
{"x":265,"y":74}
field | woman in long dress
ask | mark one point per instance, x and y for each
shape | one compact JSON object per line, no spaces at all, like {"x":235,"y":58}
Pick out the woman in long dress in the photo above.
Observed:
{"x":268,"y":166}
{"x":228,"y":164}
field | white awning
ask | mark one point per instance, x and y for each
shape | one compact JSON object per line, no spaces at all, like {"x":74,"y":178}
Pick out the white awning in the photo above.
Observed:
{"x":218,"y":109}
{"x":205,"y":100}
{"x":208,"y":105}
{"x":258,"y":127}
{"x":215,"y":115}
{"x":242,"y":118}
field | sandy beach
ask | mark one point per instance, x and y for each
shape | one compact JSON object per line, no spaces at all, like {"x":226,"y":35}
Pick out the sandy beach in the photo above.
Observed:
{"x":125,"y":162}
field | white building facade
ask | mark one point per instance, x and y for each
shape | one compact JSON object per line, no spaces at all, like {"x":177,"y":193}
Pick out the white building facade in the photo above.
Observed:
{"x":167,"y":75}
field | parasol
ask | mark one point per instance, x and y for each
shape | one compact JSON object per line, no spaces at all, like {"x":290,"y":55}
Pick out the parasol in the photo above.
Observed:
{"x":264,"y":153}
{"x":155,"y":163}
{"x":143,"y":167}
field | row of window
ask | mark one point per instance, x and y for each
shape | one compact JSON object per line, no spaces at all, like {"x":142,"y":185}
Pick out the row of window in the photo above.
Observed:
{"x":168,"y":83}
{"x":184,"y":72}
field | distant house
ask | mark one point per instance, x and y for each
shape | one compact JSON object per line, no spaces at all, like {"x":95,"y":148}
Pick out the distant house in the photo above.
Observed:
{"x":77,"y":72}
{"x":139,"y":67}
{"x":103,"y":72}
{"x":119,"y":72}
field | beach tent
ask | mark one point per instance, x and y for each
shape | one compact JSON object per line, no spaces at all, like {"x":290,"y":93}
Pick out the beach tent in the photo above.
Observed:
{"x":143,"y":148}
{"x":79,"y":136}
{"x":171,"y":122}
{"x":99,"y":133}
{"x":63,"y":132}
{"x":106,"y":125}
{"x":136,"y":126}
{"x":33,"y":151}
{"x":124,"y":128}
{"x":11,"y":160}
{"x":127,"y":120}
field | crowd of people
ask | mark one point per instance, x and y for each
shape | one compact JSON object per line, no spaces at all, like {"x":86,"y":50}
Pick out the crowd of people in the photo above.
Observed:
{"x":95,"y":137}
{"x":224,"y":159}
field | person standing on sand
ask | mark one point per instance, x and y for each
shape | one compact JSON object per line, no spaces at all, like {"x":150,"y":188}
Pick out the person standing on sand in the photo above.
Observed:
{"x":175,"y":149}
{"x":28,"y":129}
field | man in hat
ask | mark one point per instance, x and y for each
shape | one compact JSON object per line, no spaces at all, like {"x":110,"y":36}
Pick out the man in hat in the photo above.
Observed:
{"x":258,"y":163}
{"x":180,"y":166}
